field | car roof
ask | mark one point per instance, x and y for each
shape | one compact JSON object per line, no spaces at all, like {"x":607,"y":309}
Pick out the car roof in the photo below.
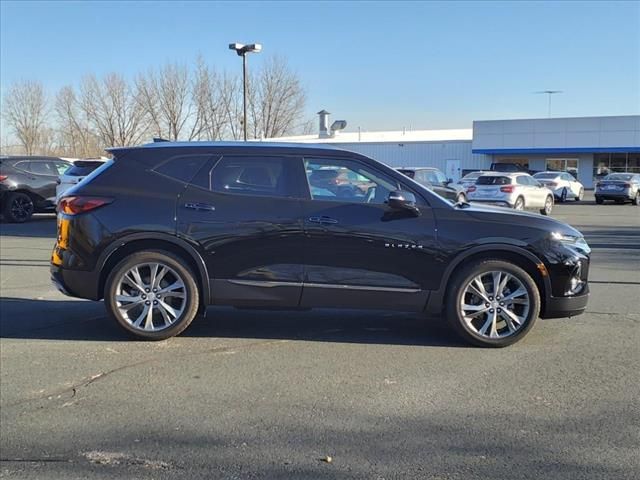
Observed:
{"x":504,"y":174}
{"x":30,"y":157}
{"x":416,"y":168}
{"x":551,"y":171}
{"x":250,"y":145}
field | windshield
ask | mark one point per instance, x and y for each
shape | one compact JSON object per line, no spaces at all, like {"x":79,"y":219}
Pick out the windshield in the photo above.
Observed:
{"x":619,"y":176}
{"x":472,"y":176}
{"x":546,"y":175}
{"x":493,"y":180}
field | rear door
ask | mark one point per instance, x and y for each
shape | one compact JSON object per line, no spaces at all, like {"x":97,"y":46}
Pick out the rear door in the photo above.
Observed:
{"x":45,"y":176}
{"x":244,"y":212}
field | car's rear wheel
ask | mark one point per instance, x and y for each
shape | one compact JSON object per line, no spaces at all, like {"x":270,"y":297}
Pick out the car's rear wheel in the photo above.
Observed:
{"x":18,"y":207}
{"x":580,"y":195}
{"x":152,"y":295}
{"x":519,"y":205}
{"x":599,"y":200}
{"x":548,"y":206}
{"x":492,"y":303}
{"x":636,"y":200}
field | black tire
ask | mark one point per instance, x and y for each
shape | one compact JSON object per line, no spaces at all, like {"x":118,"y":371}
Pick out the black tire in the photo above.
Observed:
{"x":548,"y":206}
{"x":18,"y":207}
{"x":636,"y":200}
{"x":464,"y":276}
{"x":599,"y":200}
{"x":620,"y":201}
{"x":580,"y":195}
{"x":519,"y":202}
{"x":175,"y":264}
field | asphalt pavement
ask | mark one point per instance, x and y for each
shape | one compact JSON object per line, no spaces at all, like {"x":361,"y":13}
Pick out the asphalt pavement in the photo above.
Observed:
{"x":321,"y":394}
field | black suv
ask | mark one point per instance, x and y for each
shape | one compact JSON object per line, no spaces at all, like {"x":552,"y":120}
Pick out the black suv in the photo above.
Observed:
{"x":165,"y":229}
{"x":28,"y":185}
{"x":435,"y":180}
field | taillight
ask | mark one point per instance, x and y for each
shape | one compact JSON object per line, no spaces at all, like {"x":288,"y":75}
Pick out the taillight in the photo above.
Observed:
{"x":472,"y":188}
{"x":507,"y":189}
{"x":553,"y":184}
{"x":627,"y":185}
{"x":3,"y":178}
{"x":76,"y":205}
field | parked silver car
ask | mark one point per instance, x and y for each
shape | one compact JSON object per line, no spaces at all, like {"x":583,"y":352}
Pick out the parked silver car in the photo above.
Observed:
{"x":621,"y":187}
{"x":562,"y":184}
{"x":514,"y":190}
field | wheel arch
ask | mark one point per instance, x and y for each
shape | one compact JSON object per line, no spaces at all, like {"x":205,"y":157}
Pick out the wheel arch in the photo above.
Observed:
{"x":156,"y":241}
{"x":529,"y":262}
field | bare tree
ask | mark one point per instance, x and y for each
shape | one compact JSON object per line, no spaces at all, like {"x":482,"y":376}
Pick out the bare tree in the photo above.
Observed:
{"x":75,"y":137}
{"x":113,"y":110}
{"x":166,"y":98}
{"x":230,"y":88}
{"x":210,"y":120}
{"x":276,"y":100}
{"x":24,"y":110}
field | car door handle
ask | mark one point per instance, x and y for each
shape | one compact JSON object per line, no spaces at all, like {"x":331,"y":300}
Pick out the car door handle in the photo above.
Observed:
{"x":199,"y":206}
{"x":324,"y":220}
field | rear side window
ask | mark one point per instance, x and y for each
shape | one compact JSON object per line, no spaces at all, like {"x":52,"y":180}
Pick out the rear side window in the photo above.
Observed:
{"x":183,"y":167}
{"x":268,"y":176}
{"x":522,"y":181}
{"x":491,"y":180}
{"x":409,"y":173}
{"x":42,"y":168}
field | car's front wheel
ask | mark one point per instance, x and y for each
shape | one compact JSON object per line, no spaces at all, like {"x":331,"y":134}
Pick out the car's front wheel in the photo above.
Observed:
{"x":580,"y":195}
{"x":492,"y":303}
{"x":519,"y":205}
{"x":152,"y":295}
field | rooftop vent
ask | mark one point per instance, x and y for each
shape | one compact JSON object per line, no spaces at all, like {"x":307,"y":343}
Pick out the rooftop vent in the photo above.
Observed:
{"x":324,"y":130}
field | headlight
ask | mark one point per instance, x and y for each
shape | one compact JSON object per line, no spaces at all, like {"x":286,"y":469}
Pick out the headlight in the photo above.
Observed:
{"x":572,"y":240}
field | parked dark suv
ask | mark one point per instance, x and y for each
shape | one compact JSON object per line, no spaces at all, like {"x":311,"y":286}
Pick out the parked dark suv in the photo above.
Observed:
{"x":28,"y":185}
{"x":166,"y":229}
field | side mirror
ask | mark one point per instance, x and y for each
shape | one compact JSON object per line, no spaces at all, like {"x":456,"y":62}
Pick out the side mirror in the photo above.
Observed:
{"x":401,"y":200}
{"x":449,"y":180}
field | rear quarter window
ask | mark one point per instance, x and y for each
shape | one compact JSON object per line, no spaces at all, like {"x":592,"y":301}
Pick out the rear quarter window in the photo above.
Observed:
{"x":183,"y":167}
{"x":82,"y":168}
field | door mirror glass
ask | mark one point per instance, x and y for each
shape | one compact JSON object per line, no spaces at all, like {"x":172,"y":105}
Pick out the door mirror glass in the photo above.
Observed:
{"x":402,"y":200}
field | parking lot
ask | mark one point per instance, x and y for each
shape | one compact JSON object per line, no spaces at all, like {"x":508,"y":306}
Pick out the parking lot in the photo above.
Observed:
{"x":323,"y":394}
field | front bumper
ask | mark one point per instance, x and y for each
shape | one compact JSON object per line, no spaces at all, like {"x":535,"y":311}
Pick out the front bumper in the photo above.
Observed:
{"x":560,"y":307}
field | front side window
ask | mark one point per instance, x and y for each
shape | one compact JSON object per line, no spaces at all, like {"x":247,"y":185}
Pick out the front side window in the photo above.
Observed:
{"x":60,"y":167}
{"x":346,"y":181}
{"x":263,"y":176}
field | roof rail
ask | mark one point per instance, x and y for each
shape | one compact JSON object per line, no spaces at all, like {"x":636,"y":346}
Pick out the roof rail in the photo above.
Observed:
{"x":159,"y":139}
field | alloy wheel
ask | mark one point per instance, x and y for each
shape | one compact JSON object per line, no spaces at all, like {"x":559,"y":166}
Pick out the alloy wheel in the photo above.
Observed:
{"x":495,"y":304}
{"x":151,"y":297}
{"x":21,"y":208}
{"x":548,"y":205}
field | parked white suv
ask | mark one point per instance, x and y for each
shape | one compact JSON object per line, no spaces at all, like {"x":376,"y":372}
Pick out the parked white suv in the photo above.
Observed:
{"x":76,"y":173}
{"x":514,"y":190}
{"x":562,"y":184}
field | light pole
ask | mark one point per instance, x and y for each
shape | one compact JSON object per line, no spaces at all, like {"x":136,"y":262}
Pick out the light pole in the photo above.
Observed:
{"x":549,"y":93}
{"x":242,"y":51}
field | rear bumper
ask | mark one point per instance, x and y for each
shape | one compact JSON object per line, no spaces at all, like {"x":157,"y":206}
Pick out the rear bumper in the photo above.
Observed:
{"x":75,"y":283}
{"x":625,"y":195}
{"x":498,"y":203}
{"x":560,"y":307}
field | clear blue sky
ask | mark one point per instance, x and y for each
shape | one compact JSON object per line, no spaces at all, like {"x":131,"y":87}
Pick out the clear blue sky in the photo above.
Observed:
{"x":379,"y":65}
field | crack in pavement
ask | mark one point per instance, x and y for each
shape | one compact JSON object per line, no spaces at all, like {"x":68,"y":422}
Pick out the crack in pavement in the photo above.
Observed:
{"x":73,"y":389}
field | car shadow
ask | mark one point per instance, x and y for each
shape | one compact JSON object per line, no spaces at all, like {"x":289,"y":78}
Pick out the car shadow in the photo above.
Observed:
{"x":22,"y":318}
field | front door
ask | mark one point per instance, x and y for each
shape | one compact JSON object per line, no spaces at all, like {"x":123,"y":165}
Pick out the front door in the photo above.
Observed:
{"x":245,"y":214}
{"x":358,"y":252}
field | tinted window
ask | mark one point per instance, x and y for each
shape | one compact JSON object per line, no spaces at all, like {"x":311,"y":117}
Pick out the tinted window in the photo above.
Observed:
{"x":82,"y":168}
{"x":491,"y":180}
{"x":408,"y":173}
{"x":432,"y":177}
{"x":42,"y":168}
{"x":24,"y":166}
{"x":183,"y":167}
{"x":618,"y":176}
{"x":441,"y":177}
{"x":252,"y":176}
{"x":346,"y":181}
